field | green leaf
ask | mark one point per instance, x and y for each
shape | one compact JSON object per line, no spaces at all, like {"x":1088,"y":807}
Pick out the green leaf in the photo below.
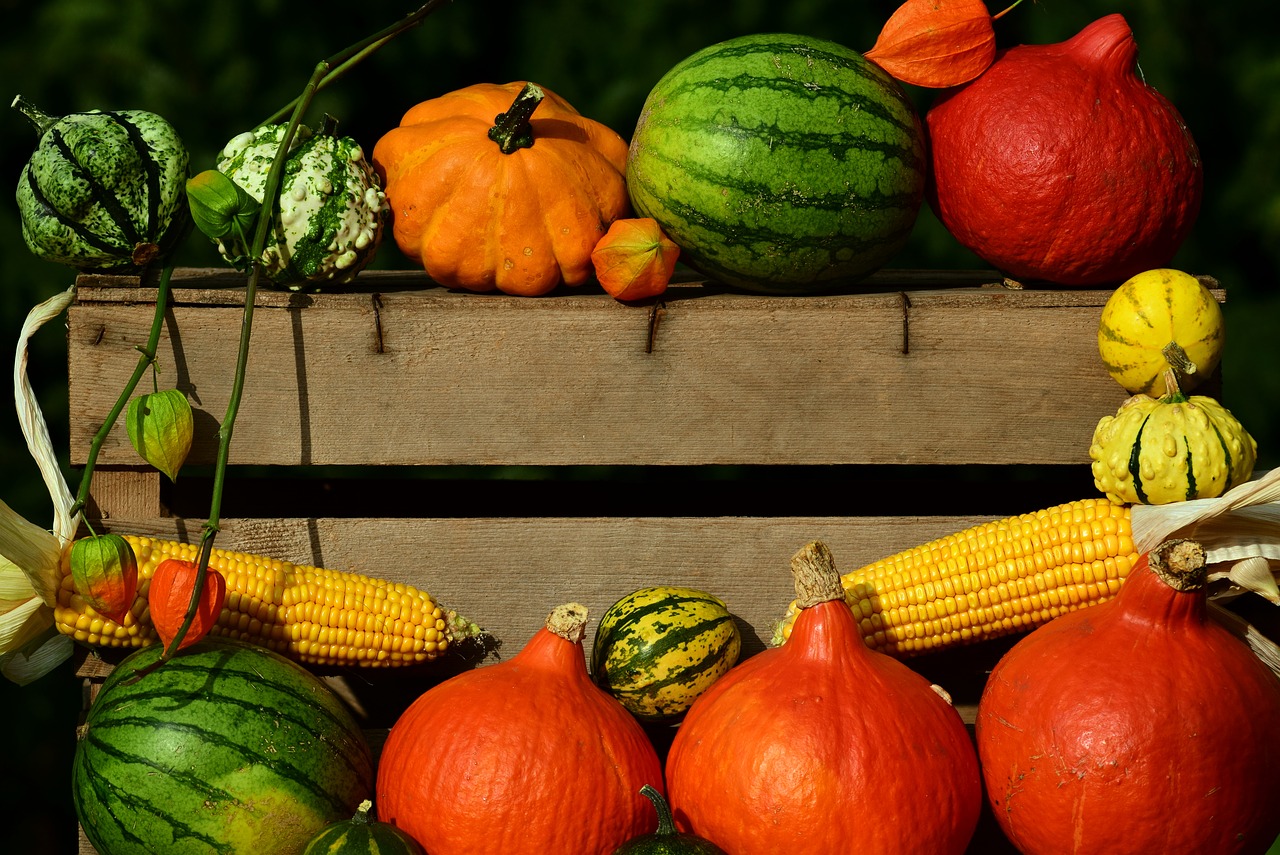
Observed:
{"x":160,"y":429}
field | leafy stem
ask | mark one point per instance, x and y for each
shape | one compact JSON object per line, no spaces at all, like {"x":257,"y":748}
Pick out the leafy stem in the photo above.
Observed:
{"x":324,"y":73}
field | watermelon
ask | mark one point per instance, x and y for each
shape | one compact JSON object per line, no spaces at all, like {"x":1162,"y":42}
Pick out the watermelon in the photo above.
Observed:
{"x":780,"y":164}
{"x":658,"y":648}
{"x":226,"y":748}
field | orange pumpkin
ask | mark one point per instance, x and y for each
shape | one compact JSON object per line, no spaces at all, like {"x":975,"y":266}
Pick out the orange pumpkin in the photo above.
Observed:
{"x":526,"y":756}
{"x":1138,"y":725}
{"x":514,"y":203}
{"x":824,"y":745}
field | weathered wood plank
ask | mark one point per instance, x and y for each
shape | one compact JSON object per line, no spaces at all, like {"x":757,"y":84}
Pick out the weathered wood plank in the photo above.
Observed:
{"x":432,"y":377}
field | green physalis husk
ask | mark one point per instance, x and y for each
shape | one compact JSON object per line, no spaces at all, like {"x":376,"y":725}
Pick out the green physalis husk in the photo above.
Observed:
{"x":220,"y":207}
{"x":104,"y":571}
{"x":160,"y":429}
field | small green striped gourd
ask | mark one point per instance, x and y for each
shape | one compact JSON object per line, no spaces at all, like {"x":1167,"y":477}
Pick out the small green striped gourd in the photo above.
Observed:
{"x":104,"y":189}
{"x":226,"y":748}
{"x":779,"y":163}
{"x":1175,"y":448}
{"x":362,"y":835}
{"x":331,"y":212}
{"x":658,"y":648}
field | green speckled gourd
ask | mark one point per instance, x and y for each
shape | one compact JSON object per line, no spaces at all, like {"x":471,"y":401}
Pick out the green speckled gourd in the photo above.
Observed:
{"x":104,"y":189}
{"x":658,"y":648}
{"x":331,"y":212}
{"x":362,"y":835}
{"x":666,"y":840}
{"x":1154,"y":451}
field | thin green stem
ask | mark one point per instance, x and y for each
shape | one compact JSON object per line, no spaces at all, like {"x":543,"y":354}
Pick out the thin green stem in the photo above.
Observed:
{"x":147,"y":358}
{"x":324,"y":73}
{"x":340,"y":63}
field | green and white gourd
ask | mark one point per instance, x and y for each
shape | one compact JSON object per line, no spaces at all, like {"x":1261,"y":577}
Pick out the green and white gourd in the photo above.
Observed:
{"x":104,"y":189}
{"x":331,"y":213}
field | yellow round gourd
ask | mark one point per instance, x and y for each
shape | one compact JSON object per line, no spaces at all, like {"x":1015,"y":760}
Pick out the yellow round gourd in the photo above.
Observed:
{"x":1159,"y":319}
{"x":1154,"y":451}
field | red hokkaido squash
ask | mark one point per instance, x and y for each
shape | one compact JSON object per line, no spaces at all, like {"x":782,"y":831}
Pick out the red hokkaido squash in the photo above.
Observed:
{"x":1136,"y":726}
{"x":523,"y":756}
{"x":824,"y":745}
{"x":1059,"y":163}
{"x":514,"y":203}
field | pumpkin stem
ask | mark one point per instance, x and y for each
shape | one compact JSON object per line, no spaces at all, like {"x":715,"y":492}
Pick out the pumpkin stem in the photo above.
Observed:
{"x":1173,"y":391}
{"x":37,"y":117}
{"x":569,"y":622}
{"x":816,"y":578}
{"x":1177,"y":358}
{"x":362,"y":812}
{"x":1180,"y":564}
{"x":511,"y":130}
{"x":666,"y":826}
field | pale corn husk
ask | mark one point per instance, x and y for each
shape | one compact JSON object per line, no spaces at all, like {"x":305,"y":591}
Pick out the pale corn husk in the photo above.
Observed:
{"x":1240,"y":531}
{"x":29,"y":555}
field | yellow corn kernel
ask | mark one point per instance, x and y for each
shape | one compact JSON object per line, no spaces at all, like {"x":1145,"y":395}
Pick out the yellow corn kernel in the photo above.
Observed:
{"x":311,"y":615}
{"x":993,"y":579}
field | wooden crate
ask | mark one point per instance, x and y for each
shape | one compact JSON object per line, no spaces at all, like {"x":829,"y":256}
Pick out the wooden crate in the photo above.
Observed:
{"x":509,"y":454}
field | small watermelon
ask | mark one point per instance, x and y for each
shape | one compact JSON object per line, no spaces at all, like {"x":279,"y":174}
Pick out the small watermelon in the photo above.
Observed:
{"x":363,"y":835}
{"x":658,"y":648}
{"x":226,"y":748}
{"x":779,"y":163}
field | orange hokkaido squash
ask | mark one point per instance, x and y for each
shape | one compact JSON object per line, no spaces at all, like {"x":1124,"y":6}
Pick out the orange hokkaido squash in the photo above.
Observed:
{"x":524,"y":756}
{"x":824,"y":745}
{"x":502,"y":187}
{"x":1139,"y":725}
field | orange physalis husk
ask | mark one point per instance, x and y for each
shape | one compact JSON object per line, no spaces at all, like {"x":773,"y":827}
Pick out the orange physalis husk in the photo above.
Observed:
{"x":634,"y":259}
{"x":936,"y":43}
{"x":104,"y":572}
{"x":170,"y":595}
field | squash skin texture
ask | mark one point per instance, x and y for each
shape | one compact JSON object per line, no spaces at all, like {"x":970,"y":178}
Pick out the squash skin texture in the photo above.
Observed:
{"x":1136,"y":726}
{"x":812,"y":746}
{"x":523,"y":757}
{"x":482,"y":220}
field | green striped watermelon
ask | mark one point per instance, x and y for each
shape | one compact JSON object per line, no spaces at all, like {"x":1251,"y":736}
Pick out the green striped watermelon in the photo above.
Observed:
{"x":779,"y":163}
{"x":657,"y":649}
{"x":226,"y":748}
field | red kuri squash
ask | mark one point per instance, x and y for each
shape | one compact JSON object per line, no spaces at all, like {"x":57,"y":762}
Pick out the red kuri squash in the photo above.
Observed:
{"x":1061,"y":163}
{"x":824,"y":745}
{"x":523,"y":756}
{"x":1135,"y":726}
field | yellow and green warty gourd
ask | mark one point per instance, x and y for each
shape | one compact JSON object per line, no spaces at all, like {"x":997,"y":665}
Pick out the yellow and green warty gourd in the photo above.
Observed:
{"x":1154,"y":451}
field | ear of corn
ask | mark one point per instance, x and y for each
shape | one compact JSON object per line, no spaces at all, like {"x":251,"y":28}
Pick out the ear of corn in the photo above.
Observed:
{"x":311,"y":615}
{"x":990,"y":580}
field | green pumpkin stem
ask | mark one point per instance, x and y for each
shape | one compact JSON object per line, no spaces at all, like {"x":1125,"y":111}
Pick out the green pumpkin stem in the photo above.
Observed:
{"x":666,"y":826}
{"x":511,"y":130}
{"x":1173,"y":392}
{"x":37,"y":117}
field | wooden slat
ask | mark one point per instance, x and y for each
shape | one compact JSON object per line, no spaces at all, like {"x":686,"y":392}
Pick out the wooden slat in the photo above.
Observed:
{"x":967,"y":374}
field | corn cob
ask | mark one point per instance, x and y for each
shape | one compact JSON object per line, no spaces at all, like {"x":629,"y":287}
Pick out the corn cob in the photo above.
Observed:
{"x":990,"y":580}
{"x":309,"y":614}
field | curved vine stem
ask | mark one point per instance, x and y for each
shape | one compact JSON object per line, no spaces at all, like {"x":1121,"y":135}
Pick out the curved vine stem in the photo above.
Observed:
{"x":146,"y":359}
{"x":324,"y":73}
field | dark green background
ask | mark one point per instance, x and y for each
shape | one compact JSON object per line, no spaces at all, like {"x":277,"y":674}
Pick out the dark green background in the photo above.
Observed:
{"x":216,"y":69}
